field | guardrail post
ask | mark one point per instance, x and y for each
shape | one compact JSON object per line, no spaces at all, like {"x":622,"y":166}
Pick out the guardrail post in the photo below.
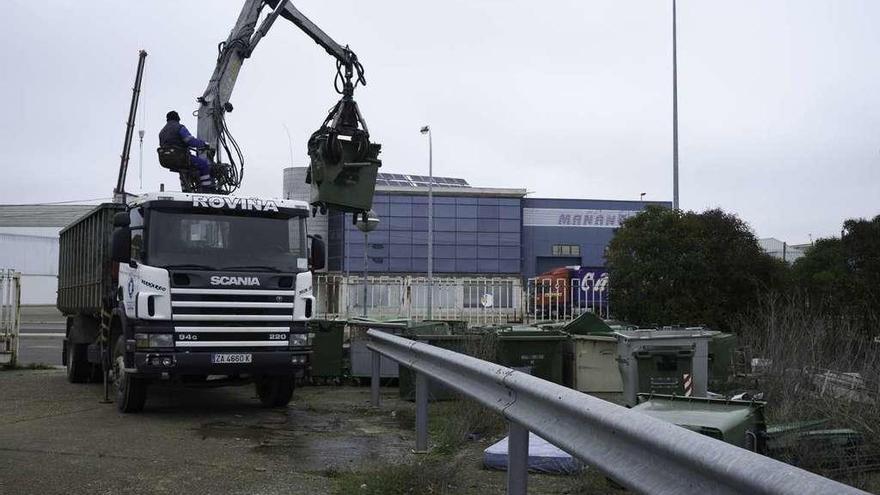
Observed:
{"x":375,"y":376}
{"x":517,"y":459}
{"x":421,"y":413}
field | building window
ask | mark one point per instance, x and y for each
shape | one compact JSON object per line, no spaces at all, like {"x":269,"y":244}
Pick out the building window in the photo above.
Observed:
{"x":566,"y":250}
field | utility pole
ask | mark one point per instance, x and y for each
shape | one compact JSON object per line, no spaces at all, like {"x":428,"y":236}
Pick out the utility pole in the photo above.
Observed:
{"x":675,"y":204}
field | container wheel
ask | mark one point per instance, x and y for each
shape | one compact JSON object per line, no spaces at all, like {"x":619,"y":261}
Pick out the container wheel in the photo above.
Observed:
{"x":131,"y":392}
{"x":274,"y":391}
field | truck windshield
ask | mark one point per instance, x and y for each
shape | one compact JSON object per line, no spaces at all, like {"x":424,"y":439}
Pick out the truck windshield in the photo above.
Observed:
{"x":226,"y":242}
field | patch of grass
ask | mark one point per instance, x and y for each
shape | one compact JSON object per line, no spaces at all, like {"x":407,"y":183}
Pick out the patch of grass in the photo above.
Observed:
{"x":461,"y":421}
{"x":451,"y":424}
{"x":30,"y":366}
{"x":431,"y":476}
{"x":589,"y":481}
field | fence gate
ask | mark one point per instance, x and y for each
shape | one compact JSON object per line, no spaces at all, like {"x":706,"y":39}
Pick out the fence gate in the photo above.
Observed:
{"x":564,"y":299}
{"x":10,"y":315}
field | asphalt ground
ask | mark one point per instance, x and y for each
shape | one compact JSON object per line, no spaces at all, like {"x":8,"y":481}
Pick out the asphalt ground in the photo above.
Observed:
{"x":58,"y":438}
{"x":40,"y":343}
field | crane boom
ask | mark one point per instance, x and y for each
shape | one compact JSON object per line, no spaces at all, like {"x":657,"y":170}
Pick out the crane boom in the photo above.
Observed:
{"x":344,"y":162}
{"x":239,"y":45}
{"x":119,"y":190}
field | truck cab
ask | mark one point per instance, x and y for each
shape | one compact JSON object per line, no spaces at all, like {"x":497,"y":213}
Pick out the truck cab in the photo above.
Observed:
{"x":207,"y":289}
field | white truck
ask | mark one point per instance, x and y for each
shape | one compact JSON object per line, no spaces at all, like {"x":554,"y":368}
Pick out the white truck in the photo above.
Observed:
{"x":201,"y":289}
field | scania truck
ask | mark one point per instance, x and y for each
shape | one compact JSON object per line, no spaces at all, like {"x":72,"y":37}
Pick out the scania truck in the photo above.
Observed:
{"x":192,"y":288}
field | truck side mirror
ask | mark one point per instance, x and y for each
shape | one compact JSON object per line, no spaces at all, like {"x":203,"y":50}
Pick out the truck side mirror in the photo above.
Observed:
{"x":318,"y":253}
{"x":120,"y":243}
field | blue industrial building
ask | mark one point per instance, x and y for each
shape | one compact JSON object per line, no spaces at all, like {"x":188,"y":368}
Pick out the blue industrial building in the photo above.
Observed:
{"x":571,"y":232}
{"x":478,"y":231}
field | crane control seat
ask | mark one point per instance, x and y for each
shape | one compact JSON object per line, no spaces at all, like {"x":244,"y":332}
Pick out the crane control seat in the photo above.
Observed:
{"x":175,"y":158}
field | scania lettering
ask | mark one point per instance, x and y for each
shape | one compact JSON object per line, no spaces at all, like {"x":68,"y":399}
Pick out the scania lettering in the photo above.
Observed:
{"x":215,"y":280}
{"x":162,"y":288}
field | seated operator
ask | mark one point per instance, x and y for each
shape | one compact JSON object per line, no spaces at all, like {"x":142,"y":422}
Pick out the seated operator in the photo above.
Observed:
{"x":175,"y":134}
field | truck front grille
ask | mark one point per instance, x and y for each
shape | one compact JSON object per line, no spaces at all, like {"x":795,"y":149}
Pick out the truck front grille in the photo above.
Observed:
{"x":223,"y":318}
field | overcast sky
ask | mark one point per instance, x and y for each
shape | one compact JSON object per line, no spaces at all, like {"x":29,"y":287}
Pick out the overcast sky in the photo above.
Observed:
{"x":778,"y":100}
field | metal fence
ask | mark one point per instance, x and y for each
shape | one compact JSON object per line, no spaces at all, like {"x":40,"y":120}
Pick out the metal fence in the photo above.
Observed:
{"x":10,"y":315}
{"x":564,"y":299}
{"x":475,"y":300}
{"x":644,"y":454}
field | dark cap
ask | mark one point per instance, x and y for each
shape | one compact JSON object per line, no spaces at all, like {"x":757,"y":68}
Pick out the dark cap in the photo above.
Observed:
{"x":172,"y":115}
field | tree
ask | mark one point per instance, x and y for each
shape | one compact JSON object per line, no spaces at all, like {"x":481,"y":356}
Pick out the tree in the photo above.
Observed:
{"x":842,"y":276}
{"x":673,"y":267}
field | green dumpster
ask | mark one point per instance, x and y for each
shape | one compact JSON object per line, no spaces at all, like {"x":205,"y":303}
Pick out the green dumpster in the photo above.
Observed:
{"x":591,"y":365}
{"x":721,"y":350}
{"x":536,"y":352}
{"x":736,"y":422}
{"x":343,"y":173}
{"x":361,"y":359}
{"x":472,"y":345}
{"x":457,"y":327}
{"x":663,"y":362}
{"x":327,"y":351}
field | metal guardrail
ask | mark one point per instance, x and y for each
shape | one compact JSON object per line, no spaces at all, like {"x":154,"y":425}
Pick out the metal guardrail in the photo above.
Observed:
{"x":10,"y":315}
{"x":643,"y":454}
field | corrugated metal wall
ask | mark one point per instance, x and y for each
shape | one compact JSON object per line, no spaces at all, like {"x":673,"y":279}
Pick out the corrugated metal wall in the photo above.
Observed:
{"x":37,"y":259}
{"x":29,"y":244}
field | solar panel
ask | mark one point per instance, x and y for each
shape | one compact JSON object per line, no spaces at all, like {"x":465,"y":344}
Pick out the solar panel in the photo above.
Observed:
{"x":418,"y":181}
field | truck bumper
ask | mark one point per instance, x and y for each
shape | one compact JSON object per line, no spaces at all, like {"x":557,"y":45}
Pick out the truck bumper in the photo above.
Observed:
{"x":150,"y":363}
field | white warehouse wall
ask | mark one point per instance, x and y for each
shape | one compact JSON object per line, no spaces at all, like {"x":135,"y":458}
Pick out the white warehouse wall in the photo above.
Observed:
{"x":36,"y":257}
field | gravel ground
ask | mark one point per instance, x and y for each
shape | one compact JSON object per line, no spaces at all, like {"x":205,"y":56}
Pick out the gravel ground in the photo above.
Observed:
{"x":57,"y":437}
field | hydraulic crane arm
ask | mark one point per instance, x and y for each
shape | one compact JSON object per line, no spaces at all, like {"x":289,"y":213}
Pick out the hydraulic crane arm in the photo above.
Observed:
{"x":240,"y":45}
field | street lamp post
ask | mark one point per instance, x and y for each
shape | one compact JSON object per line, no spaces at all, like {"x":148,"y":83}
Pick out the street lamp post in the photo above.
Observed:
{"x":366,"y":227}
{"x":675,"y":204}
{"x":427,"y":130}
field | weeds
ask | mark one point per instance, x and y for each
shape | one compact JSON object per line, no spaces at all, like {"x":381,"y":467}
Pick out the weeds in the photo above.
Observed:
{"x":818,"y":367}
{"x":29,"y":366}
{"x":434,"y":476}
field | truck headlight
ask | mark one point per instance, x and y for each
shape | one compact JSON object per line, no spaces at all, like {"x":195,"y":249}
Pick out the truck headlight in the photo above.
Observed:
{"x":153,"y":340}
{"x":300,"y":339}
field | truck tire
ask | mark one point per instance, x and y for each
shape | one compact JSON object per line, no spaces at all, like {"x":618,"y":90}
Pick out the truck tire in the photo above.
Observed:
{"x":78,"y":367}
{"x":131,"y":392}
{"x":274,"y":391}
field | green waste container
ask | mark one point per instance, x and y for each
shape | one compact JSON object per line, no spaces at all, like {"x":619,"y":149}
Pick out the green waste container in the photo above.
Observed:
{"x":327,"y":351}
{"x":536,"y":352}
{"x":347,"y":183}
{"x":591,"y":365}
{"x":663,"y":362}
{"x":457,"y":327}
{"x":472,"y":345}
{"x":361,"y":359}
{"x":721,"y":350}
{"x":736,"y":422}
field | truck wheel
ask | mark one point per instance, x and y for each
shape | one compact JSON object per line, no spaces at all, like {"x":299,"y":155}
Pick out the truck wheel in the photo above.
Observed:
{"x":78,"y":368}
{"x":131,"y":392}
{"x":275,"y":391}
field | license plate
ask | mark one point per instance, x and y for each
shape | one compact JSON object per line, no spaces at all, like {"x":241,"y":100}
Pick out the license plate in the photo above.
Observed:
{"x":231,"y":358}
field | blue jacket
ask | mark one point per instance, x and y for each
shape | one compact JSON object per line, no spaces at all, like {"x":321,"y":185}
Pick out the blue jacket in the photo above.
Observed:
{"x":176,"y":134}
